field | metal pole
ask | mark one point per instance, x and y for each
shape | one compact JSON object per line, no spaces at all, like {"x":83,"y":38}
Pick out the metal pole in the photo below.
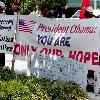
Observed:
{"x":95,"y":4}
{"x":15,"y":35}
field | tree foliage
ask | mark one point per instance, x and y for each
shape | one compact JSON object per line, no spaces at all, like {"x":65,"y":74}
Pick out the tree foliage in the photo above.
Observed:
{"x":29,"y":5}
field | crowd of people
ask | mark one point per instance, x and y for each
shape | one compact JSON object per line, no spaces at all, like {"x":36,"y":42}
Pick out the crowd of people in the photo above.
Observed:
{"x":8,"y":8}
{"x":45,"y":11}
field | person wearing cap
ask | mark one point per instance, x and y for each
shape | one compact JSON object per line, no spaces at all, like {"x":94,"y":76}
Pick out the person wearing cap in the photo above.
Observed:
{"x":2,"y":7}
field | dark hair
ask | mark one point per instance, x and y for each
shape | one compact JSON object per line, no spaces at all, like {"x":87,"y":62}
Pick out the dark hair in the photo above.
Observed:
{"x":88,"y":14}
{"x":49,"y":15}
{"x":9,"y":10}
{"x":45,"y":6}
{"x":58,"y":11}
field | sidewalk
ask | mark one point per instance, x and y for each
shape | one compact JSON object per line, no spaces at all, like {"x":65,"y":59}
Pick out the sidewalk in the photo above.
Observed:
{"x":93,"y":96}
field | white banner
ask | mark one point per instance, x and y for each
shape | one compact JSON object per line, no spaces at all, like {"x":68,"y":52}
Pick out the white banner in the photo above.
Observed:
{"x":7,"y":29}
{"x":75,"y":39}
{"x":58,"y":48}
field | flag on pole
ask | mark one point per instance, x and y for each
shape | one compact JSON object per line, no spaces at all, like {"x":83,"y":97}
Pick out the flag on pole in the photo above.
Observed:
{"x":85,"y":5}
{"x":26,"y":26}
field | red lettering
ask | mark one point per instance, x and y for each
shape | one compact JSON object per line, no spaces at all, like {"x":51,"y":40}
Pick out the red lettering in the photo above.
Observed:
{"x":80,"y":29}
{"x":95,"y":58}
{"x":17,"y":49}
{"x":23,"y":50}
{"x":80,"y":53}
{"x":41,"y":27}
{"x":33,"y":49}
{"x":72,"y":55}
{"x":58,"y":52}
{"x":27,"y":49}
{"x":87,"y":57}
{"x":73,"y":29}
{"x":45,"y":50}
{"x":51,"y":51}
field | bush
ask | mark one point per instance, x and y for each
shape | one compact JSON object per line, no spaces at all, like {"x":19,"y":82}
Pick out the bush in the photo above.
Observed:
{"x":6,"y":74}
{"x":21,"y":87}
{"x":14,"y":90}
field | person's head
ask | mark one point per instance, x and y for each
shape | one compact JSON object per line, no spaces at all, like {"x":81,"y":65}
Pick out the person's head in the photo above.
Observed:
{"x":2,"y":7}
{"x":9,"y":10}
{"x":58,"y":11}
{"x":88,"y":14}
{"x":45,"y":10}
{"x":15,"y":5}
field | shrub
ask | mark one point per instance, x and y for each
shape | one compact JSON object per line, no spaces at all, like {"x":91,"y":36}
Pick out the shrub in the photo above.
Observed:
{"x":6,"y":74}
{"x":13,"y":90}
{"x":21,"y":87}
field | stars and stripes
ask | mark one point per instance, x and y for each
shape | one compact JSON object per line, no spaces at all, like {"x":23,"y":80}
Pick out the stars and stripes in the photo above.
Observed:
{"x":25,"y":25}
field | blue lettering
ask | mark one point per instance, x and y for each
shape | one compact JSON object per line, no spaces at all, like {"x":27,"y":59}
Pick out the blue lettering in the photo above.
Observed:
{"x":64,"y":41}
{"x":56,"y":42}
{"x":45,"y":40}
{"x":49,"y":40}
{"x":39,"y":38}
{"x":67,"y":42}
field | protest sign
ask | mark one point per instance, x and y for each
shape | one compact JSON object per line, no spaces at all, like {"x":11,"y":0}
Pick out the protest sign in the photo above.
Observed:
{"x":58,"y":48}
{"x":74,"y":39}
{"x":7,"y":29}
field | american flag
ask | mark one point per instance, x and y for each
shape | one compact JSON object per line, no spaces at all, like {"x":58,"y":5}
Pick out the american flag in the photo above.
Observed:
{"x":25,"y":25}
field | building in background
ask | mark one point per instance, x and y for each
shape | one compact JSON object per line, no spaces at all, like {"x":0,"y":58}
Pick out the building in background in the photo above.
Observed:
{"x":74,"y":6}
{"x":77,"y":3}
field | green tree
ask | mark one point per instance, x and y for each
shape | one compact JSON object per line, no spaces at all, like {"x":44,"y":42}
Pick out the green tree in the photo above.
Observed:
{"x":29,"y":5}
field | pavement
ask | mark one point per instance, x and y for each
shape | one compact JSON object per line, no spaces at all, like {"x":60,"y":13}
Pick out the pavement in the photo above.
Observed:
{"x":93,"y":96}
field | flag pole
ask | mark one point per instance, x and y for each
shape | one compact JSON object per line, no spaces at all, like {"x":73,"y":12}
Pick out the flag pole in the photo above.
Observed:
{"x":15,"y":33}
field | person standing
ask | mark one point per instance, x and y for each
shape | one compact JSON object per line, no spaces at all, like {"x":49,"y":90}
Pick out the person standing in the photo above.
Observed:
{"x":45,"y":12}
{"x":9,"y":10}
{"x":2,"y":7}
{"x":16,"y":7}
{"x":58,"y":12}
{"x":2,"y":55}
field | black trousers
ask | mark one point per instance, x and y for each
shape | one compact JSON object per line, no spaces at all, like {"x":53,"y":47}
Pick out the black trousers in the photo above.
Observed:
{"x":90,"y":88}
{"x":2,"y":59}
